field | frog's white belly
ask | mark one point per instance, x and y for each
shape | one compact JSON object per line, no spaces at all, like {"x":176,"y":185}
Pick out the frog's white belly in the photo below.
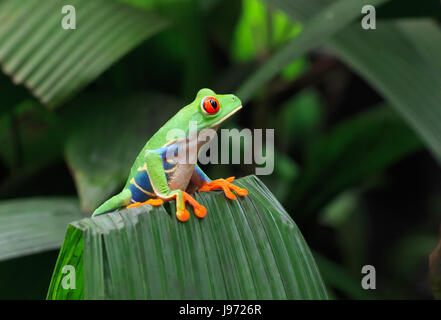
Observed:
{"x":181,"y":176}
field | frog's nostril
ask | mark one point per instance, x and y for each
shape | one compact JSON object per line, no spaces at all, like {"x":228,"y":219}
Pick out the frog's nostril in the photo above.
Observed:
{"x":234,"y":98}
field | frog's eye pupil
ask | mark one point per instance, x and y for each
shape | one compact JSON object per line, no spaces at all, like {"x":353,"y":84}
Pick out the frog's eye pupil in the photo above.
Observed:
{"x":210,"y":105}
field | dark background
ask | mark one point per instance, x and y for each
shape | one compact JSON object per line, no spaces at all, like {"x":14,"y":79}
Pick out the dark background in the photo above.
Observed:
{"x":387,"y":216}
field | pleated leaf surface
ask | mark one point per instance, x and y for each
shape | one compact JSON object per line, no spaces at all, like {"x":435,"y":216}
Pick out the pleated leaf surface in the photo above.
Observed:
{"x":54,"y":63}
{"x":244,"y":249}
{"x":32,"y":225}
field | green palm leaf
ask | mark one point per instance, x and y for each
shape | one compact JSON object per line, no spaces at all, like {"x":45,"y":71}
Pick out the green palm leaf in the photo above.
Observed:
{"x":244,"y":249}
{"x":413,"y":89}
{"x":323,"y":25}
{"x":34,"y":225}
{"x":55,"y":63}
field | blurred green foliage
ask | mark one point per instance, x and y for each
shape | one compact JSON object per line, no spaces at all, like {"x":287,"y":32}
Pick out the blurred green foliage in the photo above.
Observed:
{"x":356,"y":116}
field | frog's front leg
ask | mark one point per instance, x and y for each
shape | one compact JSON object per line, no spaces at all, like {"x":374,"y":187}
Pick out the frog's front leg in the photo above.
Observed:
{"x":206,"y":184}
{"x":158,"y":180}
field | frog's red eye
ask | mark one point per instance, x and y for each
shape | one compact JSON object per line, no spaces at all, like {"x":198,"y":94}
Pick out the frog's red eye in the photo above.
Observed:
{"x":210,"y":105}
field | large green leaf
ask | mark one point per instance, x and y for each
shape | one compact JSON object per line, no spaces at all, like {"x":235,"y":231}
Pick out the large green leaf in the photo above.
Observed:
{"x":353,"y":151}
{"x":409,"y":77}
{"x":304,"y":9}
{"x":244,"y":249}
{"x":34,"y":225}
{"x":98,"y":154}
{"x":425,"y":36}
{"x":55,"y":63}
{"x":326,"y":23}
{"x":406,"y":70}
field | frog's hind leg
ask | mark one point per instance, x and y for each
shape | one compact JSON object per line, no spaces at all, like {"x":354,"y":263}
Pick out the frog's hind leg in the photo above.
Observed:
{"x":122,"y":199}
{"x":152,"y":202}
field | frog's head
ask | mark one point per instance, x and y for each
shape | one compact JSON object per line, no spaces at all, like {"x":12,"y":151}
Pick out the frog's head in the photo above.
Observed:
{"x":209,"y":109}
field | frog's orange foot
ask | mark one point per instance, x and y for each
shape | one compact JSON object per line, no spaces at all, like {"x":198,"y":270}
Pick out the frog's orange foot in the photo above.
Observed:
{"x":226,"y":185}
{"x":152,"y":202}
{"x":199,"y":210}
{"x":183,"y":215}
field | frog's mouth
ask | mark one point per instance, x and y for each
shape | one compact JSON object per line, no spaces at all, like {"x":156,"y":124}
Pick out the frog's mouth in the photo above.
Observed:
{"x":215,"y":126}
{"x":226,"y":117}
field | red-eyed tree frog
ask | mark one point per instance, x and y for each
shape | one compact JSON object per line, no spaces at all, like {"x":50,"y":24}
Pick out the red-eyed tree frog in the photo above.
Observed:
{"x":156,"y":176}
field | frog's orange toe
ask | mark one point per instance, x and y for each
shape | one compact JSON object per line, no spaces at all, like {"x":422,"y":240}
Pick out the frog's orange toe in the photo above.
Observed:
{"x":199,"y":210}
{"x":240,"y":191}
{"x":226,"y":186}
{"x":182,"y":215}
